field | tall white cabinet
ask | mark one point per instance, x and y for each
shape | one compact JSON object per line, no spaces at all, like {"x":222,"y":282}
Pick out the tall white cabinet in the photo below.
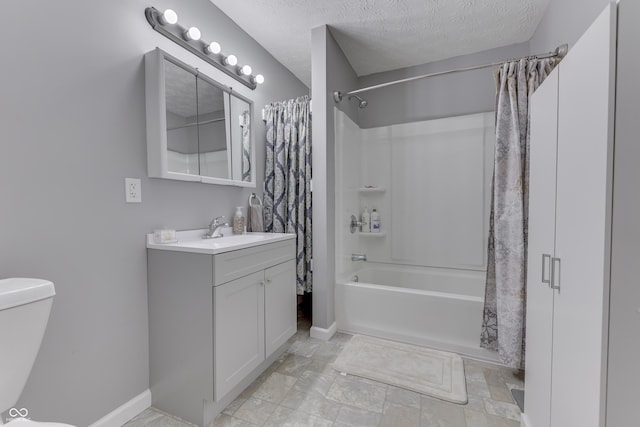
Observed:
{"x":569,"y":234}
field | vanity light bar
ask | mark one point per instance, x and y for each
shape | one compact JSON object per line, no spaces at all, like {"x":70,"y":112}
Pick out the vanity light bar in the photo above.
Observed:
{"x":166,"y":23}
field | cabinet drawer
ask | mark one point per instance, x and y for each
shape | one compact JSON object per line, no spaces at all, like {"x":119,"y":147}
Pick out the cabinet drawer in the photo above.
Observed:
{"x":232,"y":265}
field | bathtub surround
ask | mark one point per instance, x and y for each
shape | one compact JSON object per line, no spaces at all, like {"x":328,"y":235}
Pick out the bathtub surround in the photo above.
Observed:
{"x":432,"y":182}
{"x":287,"y":197}
{"x":423,"y":281}
{"x":503,"y":324}
{"x":433,"y":373}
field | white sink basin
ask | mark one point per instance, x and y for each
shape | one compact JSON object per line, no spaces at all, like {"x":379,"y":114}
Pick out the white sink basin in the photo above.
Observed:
{"x":237,"y":239}
{"x":192,"y":241}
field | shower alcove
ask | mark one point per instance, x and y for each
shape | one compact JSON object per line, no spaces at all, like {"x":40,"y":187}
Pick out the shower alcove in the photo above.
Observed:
{"x":423,"y":281}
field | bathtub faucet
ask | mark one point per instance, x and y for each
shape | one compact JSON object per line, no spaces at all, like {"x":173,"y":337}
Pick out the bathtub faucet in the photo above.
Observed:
{"x":358,"y":257}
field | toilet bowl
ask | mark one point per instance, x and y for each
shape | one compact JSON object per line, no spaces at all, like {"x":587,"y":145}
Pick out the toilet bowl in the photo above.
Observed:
{"x":24,"y":312}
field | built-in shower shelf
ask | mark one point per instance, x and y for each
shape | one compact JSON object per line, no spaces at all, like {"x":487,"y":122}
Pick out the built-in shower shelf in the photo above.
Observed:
{"x":372,"y":189}
{"x":378,"y":234}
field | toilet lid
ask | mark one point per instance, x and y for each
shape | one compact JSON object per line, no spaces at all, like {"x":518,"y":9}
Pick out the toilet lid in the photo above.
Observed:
{"x":23,"y":422}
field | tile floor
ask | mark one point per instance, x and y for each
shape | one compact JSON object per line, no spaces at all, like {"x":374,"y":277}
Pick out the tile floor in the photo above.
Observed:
{"x":301,"y":389}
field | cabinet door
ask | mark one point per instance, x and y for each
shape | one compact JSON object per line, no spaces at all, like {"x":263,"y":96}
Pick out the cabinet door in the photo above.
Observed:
{"x":585,"y":135}
{"x":238,"y":313}
{"x":280,"y":305}
{"x":542,"y":218}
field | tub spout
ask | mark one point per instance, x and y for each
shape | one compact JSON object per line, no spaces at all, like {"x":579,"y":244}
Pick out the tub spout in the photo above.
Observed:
{"x":358,"y":257}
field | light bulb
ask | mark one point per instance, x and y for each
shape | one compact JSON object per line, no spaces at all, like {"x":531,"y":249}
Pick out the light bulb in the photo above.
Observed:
{"x":213,"y":47}
{"x":168,"y":17}
{"x":259,"y":79}
{"x":192,"y":34}
{"x":246,"y":70}
{"x":231,"y":60}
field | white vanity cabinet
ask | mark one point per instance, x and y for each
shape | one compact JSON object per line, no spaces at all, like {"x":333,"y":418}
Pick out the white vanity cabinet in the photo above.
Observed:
{"x":216,"y":321}
{"x":260,"y":308}
{"x":238,"y":312}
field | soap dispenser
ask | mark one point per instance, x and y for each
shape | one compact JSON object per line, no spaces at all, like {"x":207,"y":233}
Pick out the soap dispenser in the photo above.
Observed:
{"x":238,"y":221}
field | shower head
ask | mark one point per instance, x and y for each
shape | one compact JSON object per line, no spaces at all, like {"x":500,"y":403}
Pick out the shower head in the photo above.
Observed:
{"x":361,"y":102}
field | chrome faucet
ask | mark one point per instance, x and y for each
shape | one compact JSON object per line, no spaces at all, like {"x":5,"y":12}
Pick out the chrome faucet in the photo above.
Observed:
{"x":214,"y":225}
{"x":358,"y":257}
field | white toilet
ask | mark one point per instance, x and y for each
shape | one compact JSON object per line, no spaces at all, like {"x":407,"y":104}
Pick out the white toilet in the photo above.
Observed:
{"x":24,"y":312}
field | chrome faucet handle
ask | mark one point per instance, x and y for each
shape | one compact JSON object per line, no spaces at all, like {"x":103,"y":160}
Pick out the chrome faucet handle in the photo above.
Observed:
{"x":358,"y":257}
{"x":216,"y":220}
{"x":213,"y":226}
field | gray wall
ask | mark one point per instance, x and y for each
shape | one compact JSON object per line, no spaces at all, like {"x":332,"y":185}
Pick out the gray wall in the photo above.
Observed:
{"x":330,"y":71}
{"x":435,"y":97}
{"x":72,"y":117}
{"x":564,"y":22}
{"x":472,"y":91}
{"x":624,"y":340}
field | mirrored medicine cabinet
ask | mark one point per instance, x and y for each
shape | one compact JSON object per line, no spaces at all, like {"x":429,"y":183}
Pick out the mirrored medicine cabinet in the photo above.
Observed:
{"x":197,"y":129}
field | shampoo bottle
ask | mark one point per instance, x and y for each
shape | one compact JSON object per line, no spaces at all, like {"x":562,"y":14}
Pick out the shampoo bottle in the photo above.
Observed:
{"x":365,"y":218}
{"x":375,"y":221}
{"x":238,"y":221}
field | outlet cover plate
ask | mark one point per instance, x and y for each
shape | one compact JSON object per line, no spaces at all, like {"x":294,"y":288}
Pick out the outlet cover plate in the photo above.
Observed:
{"x":132,"y":190}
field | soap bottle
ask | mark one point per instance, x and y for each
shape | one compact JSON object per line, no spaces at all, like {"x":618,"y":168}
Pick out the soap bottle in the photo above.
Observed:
{"x":365,"y":218}
{"x":238,"y":221}
{"x":375,"y":221}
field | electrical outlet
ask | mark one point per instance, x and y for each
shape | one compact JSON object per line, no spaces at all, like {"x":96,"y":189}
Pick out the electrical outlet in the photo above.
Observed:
{"x":132,"y":190}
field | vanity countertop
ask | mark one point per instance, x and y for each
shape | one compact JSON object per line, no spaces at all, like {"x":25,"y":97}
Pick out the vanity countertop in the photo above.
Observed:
{"x":192,"y":241}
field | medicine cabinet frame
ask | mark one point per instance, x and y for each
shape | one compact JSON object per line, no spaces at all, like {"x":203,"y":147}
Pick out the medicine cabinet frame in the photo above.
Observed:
{"x":156,"y":117}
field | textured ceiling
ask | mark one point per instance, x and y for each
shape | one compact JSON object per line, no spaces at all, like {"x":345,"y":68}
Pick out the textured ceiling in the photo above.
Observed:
{"x":382,"y":35}
{"x":180,"y":93}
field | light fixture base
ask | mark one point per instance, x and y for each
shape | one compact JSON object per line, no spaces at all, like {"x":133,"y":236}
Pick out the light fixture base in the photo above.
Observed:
{"x":175,"y":34}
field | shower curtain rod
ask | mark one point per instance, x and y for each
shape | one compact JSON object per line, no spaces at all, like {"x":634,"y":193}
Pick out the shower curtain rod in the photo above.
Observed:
{"x":197,"y":123}
{"x":560,"y":52}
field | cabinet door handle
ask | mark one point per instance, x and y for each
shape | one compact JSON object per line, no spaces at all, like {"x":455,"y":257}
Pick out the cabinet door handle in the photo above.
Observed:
{"x":268,"y":280}
{"x":555,"y":274}
{"x":262,"y":283}
{"x":546,"y":258}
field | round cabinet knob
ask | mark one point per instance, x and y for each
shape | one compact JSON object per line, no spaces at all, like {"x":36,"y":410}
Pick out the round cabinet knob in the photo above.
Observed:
{"x":261,"y":283}
{"x":268,"y":280}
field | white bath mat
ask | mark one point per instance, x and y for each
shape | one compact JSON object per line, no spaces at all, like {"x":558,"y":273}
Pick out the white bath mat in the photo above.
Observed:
{"x":435,"y":373}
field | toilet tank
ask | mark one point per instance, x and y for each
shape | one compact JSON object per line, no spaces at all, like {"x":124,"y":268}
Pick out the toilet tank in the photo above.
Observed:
{"x":24,"y":312}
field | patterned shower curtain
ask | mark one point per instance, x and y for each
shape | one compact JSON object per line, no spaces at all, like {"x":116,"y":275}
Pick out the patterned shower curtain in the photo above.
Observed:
{"x":503,"y":325}
{"x":287,"y":198}
{"x":246,"y":146}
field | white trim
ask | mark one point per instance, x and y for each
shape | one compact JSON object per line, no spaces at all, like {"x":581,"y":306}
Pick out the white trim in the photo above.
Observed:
{"x":125,"y":412}
{"x":524,"y":420}
{"x":323,"y":334}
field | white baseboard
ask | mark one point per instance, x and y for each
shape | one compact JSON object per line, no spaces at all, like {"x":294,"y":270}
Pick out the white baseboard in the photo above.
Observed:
{"x":323,"y":334}
{"x":125,"y":412}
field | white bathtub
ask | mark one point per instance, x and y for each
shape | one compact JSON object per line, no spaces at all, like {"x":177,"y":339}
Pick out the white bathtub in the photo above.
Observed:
{"x":437,"y":308}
